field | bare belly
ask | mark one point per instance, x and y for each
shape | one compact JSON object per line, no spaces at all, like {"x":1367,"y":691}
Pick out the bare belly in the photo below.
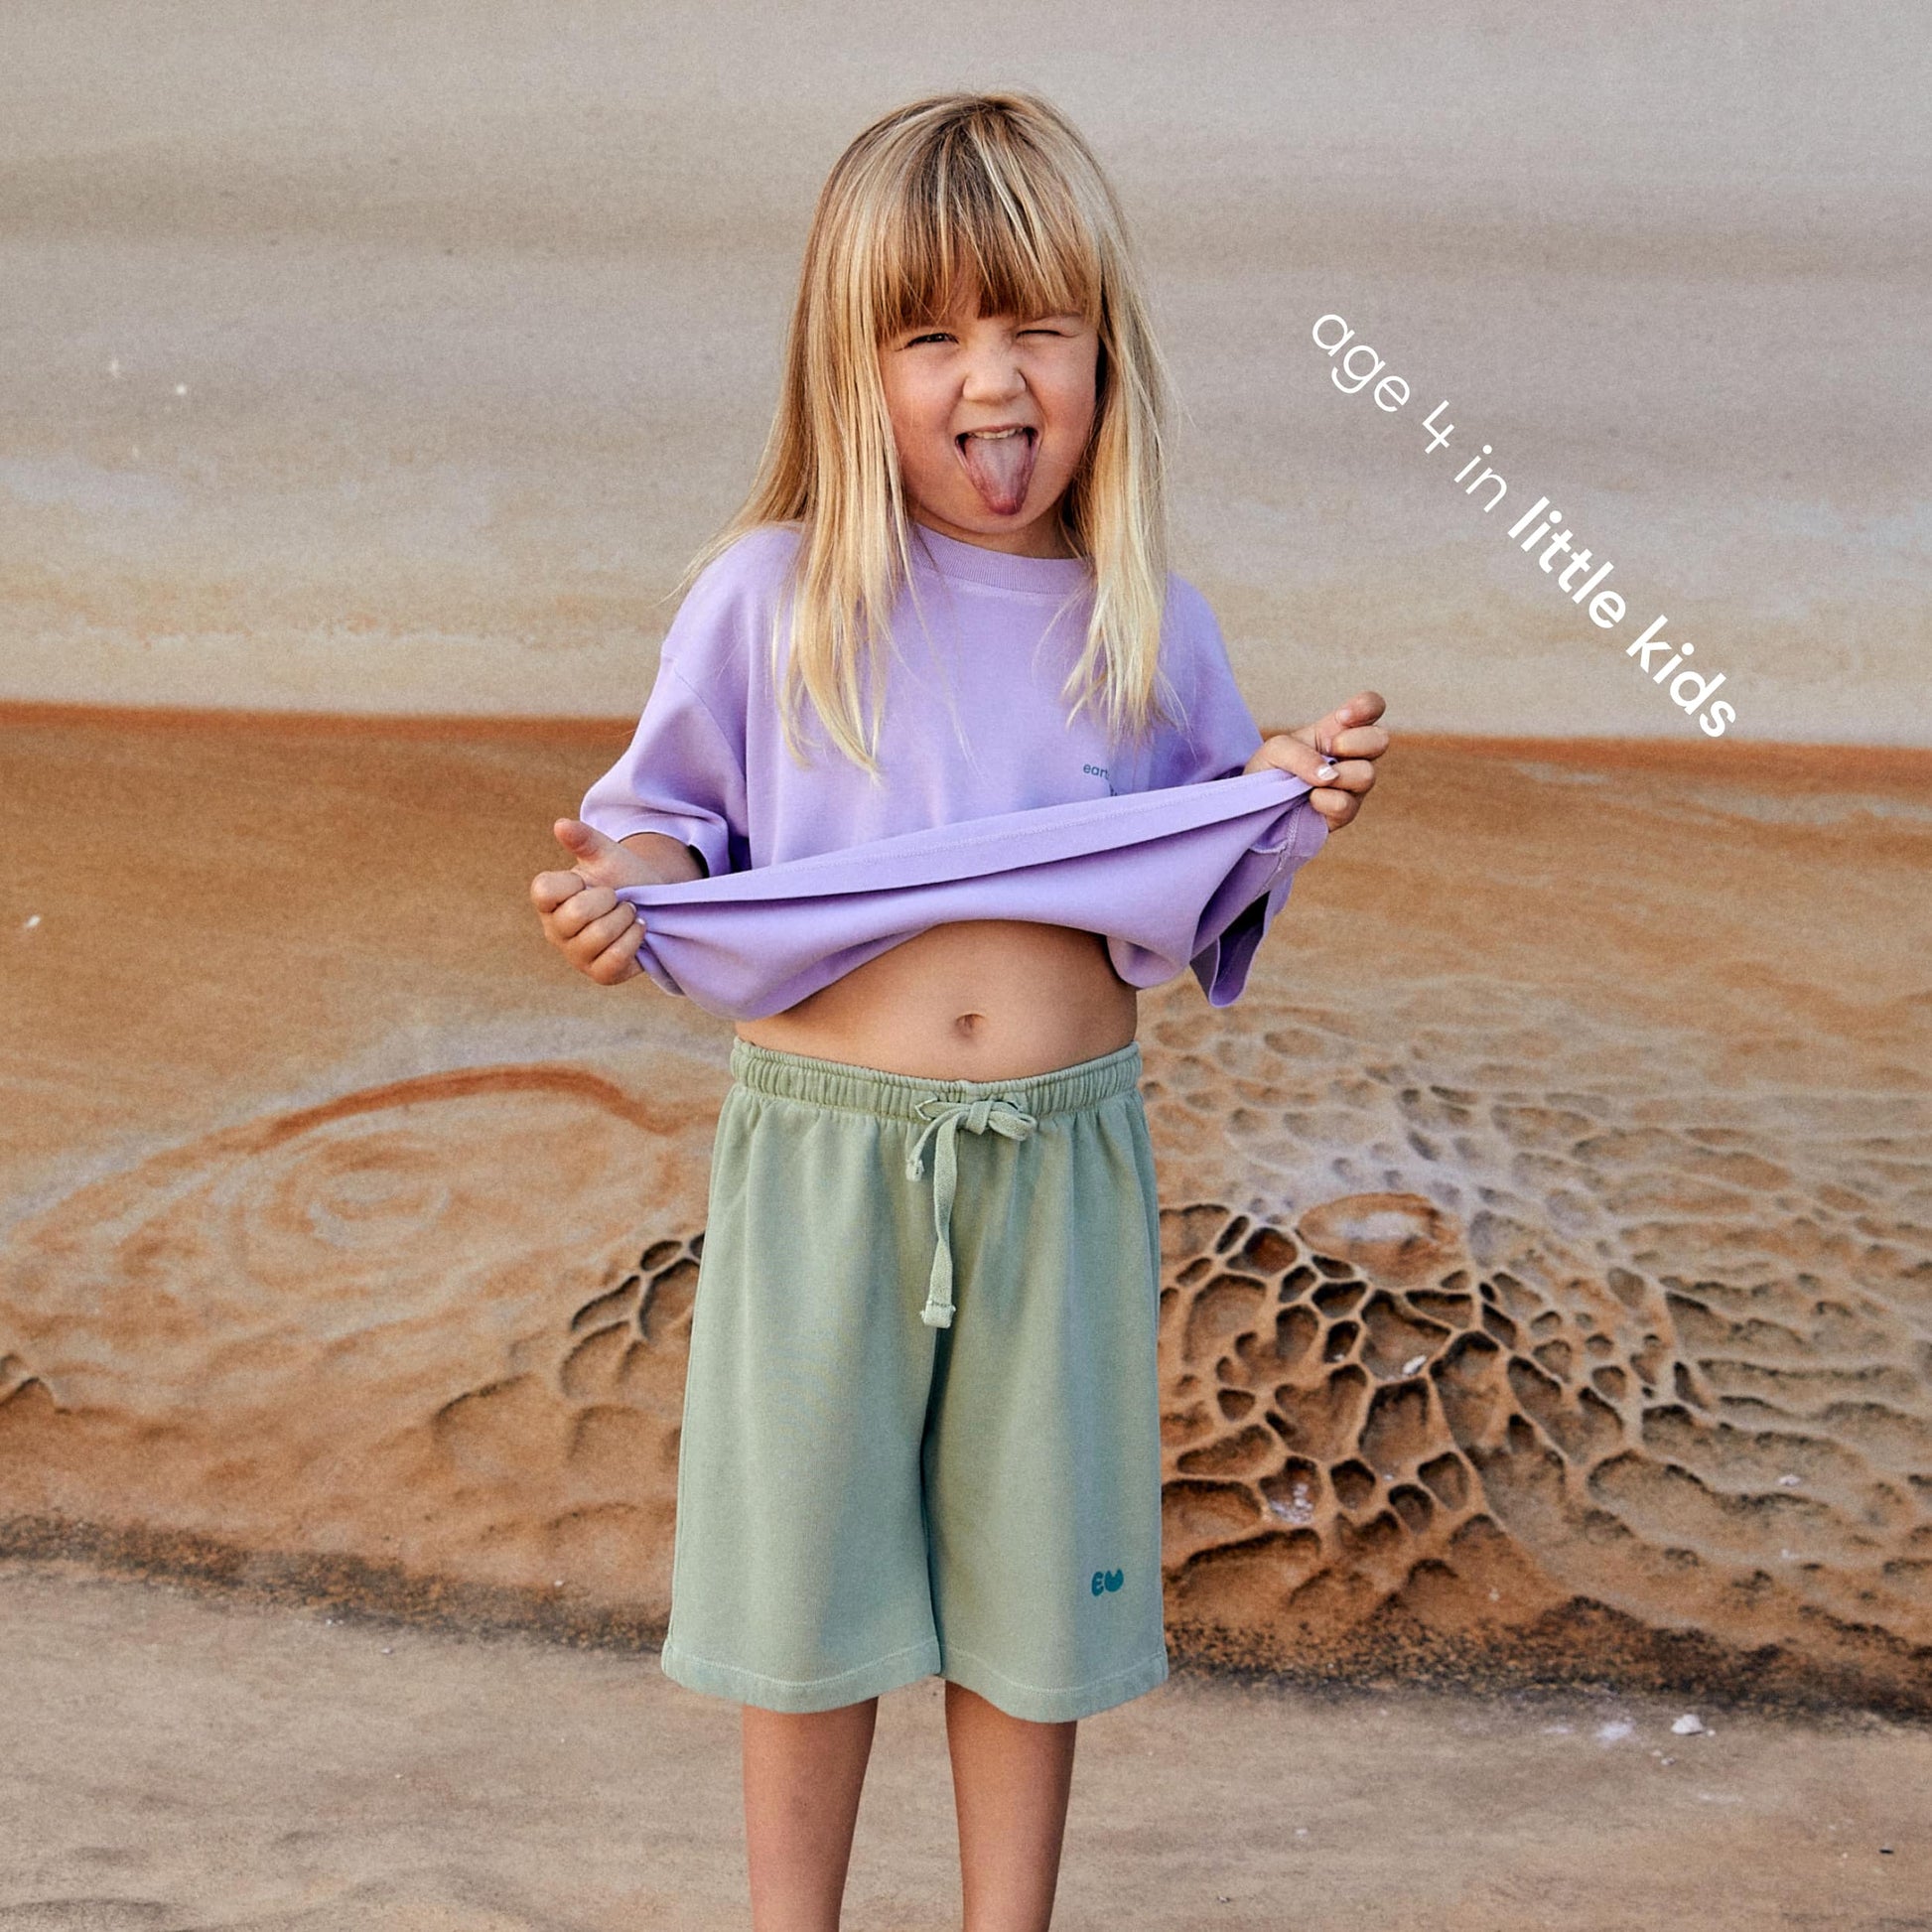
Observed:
{"x":975,"y":1000}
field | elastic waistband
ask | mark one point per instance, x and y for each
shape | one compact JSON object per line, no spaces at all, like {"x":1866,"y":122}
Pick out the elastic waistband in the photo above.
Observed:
{"x":873,"y":1090}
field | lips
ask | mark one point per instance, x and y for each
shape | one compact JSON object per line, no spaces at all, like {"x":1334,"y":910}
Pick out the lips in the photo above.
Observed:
{"x":999,"y":465}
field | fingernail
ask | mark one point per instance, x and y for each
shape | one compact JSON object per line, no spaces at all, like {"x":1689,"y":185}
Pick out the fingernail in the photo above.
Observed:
{"x":1327,"y":771}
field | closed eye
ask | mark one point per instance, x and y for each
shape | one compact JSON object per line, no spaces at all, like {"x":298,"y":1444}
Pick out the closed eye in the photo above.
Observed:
{"x":942,"y":335}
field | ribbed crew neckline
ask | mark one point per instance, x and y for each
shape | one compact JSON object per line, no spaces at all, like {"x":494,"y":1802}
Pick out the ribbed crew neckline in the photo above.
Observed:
{"x":951,"y":557}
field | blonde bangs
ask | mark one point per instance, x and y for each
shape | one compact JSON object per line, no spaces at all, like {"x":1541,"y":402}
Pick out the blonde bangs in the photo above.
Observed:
{"x":977,"y":218}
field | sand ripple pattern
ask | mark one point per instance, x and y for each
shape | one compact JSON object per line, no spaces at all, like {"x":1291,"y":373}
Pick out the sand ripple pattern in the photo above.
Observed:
{"x":356,"y":1331}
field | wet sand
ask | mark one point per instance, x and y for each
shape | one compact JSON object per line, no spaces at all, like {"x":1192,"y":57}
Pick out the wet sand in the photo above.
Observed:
{"x":254,"y":1768}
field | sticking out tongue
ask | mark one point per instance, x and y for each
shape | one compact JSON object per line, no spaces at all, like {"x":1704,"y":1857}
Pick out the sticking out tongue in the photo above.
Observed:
{"x":1001,"y":466}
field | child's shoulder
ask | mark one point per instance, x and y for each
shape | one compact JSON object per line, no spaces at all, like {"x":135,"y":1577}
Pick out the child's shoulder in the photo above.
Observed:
{"x":756,"y":559}
{"x":724,"y":609}
{"x":1191,"y":649}
{"x":1189,"y":612}
{"x":727,"y":603}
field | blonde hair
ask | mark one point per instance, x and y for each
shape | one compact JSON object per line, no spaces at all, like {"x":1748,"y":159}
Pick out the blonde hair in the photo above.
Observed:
{"x":997,"y":191}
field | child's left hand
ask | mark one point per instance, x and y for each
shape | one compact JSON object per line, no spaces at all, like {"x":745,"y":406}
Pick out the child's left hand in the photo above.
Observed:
{"x":1339,"y":749}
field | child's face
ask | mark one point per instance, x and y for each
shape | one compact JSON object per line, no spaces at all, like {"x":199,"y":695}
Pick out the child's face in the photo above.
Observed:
{"x":1034,"y":374}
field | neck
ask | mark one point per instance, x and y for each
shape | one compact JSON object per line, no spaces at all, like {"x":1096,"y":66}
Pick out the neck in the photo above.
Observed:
{"x":1042,"y":537}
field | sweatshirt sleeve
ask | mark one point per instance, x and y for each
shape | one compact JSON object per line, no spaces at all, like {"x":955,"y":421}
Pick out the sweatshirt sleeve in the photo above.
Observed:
{"x":1217,"y":734}
{"x":684,"y":773}
{"x":1217,"y":738}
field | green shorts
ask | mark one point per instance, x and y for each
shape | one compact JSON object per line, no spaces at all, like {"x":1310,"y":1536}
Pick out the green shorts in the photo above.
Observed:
{"x":921,"y":1417}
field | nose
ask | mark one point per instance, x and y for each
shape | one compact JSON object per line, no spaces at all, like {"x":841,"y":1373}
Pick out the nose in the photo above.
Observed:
{"x":993,"y":374}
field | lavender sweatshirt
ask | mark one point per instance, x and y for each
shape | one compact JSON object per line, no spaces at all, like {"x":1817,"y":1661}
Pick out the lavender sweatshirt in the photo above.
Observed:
{"x":993,"y":805}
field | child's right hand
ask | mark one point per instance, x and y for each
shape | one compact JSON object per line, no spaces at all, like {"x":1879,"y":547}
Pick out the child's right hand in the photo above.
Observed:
{"x":597,"y":932}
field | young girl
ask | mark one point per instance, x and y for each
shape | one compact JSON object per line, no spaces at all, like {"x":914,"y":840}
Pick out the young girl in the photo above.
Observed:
{"x":920,"y":1430}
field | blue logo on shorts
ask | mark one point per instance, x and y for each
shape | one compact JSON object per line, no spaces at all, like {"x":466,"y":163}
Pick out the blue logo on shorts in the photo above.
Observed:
{"x":1107,"y":1580}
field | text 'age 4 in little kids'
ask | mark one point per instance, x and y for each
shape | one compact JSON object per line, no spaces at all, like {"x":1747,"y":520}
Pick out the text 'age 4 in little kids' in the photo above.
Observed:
{"x":1355,"y":364}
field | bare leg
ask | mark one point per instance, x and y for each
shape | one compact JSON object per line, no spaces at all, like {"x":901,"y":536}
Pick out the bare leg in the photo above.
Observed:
{"x":1011,"y":1780}
{"x":803,"y":1772}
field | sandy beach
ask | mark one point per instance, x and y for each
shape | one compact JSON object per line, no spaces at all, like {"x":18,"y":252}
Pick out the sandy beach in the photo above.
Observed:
{"x":255,"y":1767}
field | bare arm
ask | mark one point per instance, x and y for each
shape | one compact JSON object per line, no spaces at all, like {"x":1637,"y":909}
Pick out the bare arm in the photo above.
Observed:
{"x":676,"y":862}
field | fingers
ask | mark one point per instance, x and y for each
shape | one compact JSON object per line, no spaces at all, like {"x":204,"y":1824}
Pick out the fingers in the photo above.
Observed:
{"x":1287,"y":752}
{"x":1336,"y":806}
{"x":1336,"y":786}
{"x":605,"y":948}
{"x":1292,"y":755}
{"x":590,"y":921}
{"x":584,"y":840}
{"x":550,"y":889}
{"x":593,"y":928}
{"x":1340,"y":734}
{"x":1351,"y":775}
{"x":1359,"y":741}
{"x":1350,"y":728}
{"x":569,"y":900}
{"x":1340,"y":800}
{"x":1362,"y":709}
{"x":618,"y":961}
